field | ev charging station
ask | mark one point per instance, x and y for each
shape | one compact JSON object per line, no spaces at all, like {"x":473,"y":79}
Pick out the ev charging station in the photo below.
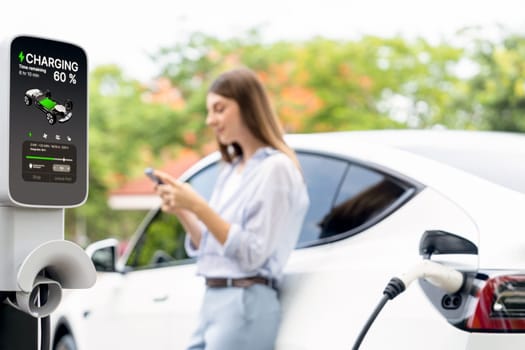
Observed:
{"x":43,"y":170}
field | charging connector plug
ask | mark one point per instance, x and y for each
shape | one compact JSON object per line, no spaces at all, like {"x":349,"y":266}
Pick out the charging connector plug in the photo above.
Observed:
{"x":395,"y":287}
{"x":439,"y":275}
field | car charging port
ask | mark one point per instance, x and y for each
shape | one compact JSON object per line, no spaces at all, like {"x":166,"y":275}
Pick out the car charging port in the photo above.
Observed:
{"x":451,"y":301}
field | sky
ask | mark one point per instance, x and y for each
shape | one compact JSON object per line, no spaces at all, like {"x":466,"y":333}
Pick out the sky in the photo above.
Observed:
{"x":127,"y":32}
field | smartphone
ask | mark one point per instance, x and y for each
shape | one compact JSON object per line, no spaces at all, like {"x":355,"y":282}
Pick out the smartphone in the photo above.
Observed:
{"x":149,"y":173}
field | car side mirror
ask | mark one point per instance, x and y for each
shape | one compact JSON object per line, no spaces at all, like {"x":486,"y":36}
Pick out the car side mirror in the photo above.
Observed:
{"x":104,"y":255}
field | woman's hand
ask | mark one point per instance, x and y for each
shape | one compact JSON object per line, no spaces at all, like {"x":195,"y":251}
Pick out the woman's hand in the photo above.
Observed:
{"x":177,"y":197}
{"x":180,"y":199}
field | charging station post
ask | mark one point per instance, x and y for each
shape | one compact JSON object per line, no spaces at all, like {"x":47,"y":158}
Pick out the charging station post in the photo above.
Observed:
{"x":44,"y":162}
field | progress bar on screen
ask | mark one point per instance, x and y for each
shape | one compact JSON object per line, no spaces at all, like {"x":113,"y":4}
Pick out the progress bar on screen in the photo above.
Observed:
{"x":49,"y":158}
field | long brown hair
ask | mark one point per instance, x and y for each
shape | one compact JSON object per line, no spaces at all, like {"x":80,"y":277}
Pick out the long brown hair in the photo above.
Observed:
{"x":243,"y":86}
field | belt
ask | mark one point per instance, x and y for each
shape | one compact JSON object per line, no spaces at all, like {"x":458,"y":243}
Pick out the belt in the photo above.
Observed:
{"x":240,"y":282}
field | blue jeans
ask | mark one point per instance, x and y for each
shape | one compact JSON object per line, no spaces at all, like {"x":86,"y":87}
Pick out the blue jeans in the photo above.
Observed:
{"x":237,"y":319}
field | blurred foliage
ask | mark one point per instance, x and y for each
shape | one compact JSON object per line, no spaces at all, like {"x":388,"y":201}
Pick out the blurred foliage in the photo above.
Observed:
{"x":124,"y":132}
{"x":315,"y":85}
{"x":495,"y":95}
{"x":323,"y":84}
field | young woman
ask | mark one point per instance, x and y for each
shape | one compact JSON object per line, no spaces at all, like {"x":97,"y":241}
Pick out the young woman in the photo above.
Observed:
{"x":243,"y":237}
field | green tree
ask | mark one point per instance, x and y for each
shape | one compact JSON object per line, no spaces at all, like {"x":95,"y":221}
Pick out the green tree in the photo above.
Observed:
{"x":323,"y":84}
{"x":497,"y":92}
{"x":124,"y":130}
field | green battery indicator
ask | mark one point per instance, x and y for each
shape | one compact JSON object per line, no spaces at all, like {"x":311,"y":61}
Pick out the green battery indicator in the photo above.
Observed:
{"x":64,"y":159}
{"x":41,"y":158}
{"x":47,"y":103}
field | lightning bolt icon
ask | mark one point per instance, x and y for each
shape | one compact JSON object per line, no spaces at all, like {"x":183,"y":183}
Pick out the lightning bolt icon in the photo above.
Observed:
{"x":21,"y":56}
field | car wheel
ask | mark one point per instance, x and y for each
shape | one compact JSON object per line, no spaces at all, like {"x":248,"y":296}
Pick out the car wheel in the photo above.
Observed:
{"x":66,"y":343}
{"x":27,"y":101}
{"x":51,"y":118}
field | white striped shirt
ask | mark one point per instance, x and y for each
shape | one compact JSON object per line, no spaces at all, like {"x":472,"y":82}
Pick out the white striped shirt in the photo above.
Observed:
{"x":265,"y":211}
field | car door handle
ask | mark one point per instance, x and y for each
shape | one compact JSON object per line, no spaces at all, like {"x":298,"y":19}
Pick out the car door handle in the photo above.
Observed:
{"x":160,"y":298}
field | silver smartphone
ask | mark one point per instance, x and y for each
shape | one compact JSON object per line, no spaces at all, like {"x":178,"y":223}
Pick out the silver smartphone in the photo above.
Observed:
{"x":153,"y":177}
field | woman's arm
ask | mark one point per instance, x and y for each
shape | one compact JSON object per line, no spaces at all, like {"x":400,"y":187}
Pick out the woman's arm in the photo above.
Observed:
{"x":218,"y":227}
{"x":191,"y":225}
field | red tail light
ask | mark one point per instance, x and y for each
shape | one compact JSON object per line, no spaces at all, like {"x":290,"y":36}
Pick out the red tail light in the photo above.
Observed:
{"x":500,"y":306}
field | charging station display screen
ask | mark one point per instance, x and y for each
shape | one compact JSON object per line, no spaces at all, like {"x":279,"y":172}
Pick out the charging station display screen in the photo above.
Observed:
{"x":48,"y":122}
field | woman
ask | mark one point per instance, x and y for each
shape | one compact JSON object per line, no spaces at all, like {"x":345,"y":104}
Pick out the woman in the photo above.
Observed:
{"x":244,"y":236}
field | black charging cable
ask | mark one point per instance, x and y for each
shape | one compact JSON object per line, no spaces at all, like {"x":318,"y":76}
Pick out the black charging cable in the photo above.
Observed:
{"x":45,"y":333}
{"x":394,"y":287}
{"x":44,"y":322}
{"x":443,"y":277}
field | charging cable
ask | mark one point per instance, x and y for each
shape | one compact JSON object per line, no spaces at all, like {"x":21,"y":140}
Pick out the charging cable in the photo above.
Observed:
{"x":44,"y":327}
{"x":45,"y":333}
{"x":439,"y":275}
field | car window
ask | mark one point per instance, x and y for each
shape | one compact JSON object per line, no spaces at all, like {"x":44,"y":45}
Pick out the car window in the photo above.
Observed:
{"x":345,"y":198}
{"x":356,"y":180}
{"x":323,"y":176}
{"x":162,"y":241}
{"x":204,"y":181}
{"x":364,"y":195}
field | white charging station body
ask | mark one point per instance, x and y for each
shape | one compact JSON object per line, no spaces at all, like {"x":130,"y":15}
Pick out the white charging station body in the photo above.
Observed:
{"x":44,"y":168}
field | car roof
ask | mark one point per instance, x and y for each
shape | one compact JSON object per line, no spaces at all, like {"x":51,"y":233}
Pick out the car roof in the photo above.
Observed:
{"x":493,"y":156}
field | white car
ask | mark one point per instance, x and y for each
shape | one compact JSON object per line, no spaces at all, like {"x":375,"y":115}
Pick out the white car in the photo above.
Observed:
{"x":381,"y":203}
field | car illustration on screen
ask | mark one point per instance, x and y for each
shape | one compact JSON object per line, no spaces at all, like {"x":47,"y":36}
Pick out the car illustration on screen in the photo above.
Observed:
{"x":53,"y":110}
